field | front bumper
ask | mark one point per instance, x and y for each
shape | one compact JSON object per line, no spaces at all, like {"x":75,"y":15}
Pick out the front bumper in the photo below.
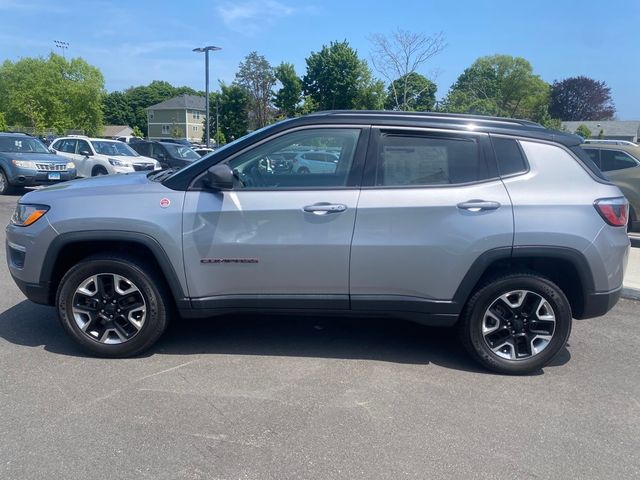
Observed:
{"x":28,"y":178}
{"x":35,"y":292}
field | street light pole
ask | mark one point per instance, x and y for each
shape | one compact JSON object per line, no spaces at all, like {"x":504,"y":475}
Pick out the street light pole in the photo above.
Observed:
{"x":206,"y":51}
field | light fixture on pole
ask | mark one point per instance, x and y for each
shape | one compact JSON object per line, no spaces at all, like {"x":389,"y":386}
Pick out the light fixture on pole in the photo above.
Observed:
{"x":62,"y":46}
{"x":206,"y":51}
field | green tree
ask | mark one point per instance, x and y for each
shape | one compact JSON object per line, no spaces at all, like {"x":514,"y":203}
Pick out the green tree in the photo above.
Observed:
{"x":257,"y":77}
{"x":137,"y":132}
{"x":52,"y":92}
{"x":287,"y":98}
{"x":337,"y":79}
{"x":499,"y":85}
{"x":219,"y":138}
{"x":583,"y":131}
{"x":117,"y":110}
{"x":3,"y":123}
{"x":233,"y":110}
{"x":418,"y":93}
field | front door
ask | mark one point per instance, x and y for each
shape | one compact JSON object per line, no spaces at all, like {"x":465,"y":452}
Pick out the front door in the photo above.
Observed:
{"x":281,"y":238}
{"x":432,"y":204}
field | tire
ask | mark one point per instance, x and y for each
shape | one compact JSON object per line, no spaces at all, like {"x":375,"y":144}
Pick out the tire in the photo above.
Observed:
{"x":98,"y":171}
{"x":515,"y":340}
{"x":5,"y":187}
{"x":118,"y":332}
{"x":303,"y":170}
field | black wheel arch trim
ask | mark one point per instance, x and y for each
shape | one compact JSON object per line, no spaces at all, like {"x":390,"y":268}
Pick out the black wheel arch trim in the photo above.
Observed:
{"x":161,"y":257}
{"x":485,"y":260}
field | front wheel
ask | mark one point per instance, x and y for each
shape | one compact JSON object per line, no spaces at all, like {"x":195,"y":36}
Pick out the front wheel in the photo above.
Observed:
{"x":516,"y":324}
{"x":5,"y":186}
{"x":113,"y":306}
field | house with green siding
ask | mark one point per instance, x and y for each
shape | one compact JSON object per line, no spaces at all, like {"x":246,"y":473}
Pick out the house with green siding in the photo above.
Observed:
{"x":179,"y":117}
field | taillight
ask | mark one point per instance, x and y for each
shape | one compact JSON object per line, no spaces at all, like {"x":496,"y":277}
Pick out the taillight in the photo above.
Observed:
{"x":614,"y":211}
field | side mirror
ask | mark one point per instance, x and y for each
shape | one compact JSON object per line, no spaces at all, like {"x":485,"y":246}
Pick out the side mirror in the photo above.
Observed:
{"x":51,"y":150}
{"x":219,"y":177}
{"x":85,"y":153}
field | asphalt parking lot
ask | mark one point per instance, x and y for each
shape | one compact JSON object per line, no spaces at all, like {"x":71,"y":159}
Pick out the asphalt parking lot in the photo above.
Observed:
{"x":297,"y":398}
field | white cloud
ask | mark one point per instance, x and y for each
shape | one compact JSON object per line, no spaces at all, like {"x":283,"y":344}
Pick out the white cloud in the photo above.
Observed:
{"x":247,"y":16}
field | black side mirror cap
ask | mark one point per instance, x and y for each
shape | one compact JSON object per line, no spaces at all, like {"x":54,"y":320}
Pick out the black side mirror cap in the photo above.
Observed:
{"x":219,"y":177}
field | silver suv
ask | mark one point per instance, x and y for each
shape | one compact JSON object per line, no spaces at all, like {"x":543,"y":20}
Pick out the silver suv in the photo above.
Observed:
{"x":500,"y":227}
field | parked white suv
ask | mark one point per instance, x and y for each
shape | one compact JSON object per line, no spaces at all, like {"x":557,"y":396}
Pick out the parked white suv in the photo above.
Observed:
{"x":99,"y":156}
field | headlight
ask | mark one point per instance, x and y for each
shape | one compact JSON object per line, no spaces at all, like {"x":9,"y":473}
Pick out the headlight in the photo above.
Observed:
{"x":71,"y":165}
{"x":25,"y":215}
{"x":118,"y":163}
{"x":24,"y":164}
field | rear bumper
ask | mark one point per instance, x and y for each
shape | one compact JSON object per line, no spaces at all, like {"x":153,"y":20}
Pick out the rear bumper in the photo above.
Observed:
{"x":597,"y":304}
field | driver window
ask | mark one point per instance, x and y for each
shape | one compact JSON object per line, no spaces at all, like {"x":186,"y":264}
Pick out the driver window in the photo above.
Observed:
{"x":302,"y":159}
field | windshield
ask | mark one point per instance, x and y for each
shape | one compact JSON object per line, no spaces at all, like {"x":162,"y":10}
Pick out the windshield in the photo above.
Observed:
{"x":22,"y":145}
{"x":179,"y":151}
{"x":114,"y":149}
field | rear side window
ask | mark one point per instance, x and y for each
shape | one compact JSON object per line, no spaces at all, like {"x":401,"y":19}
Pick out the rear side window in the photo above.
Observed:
{"x":509,"y":156}
{"x":406,"y":160}
{"x":615,"y":160}
{"x":67,"y":146}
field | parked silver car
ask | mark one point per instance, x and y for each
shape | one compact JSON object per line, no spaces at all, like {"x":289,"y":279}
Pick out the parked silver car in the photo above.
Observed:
{"x":500,"y":227}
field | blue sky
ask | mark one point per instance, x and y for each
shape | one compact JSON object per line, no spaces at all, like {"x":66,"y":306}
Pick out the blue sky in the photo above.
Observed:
{"x":135,"y":42}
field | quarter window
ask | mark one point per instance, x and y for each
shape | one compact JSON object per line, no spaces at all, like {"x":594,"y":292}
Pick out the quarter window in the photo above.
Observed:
{"x":509,"y":156}
{"x":407,"y":160}
{"x":302,"y":159}
{"x":616,"y":160}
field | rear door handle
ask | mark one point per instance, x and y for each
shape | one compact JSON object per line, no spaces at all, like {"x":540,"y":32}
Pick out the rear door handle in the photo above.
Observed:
{"x":478,"y":205}
{"x":325,"y":208}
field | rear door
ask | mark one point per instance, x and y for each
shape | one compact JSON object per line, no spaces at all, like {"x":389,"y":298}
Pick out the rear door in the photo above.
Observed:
{"x":432,"y":205}
{"x":279,"y":238}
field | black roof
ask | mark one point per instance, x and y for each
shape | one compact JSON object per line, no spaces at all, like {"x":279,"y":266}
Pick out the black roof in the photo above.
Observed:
{"x":384,"y":118}
{"x":455,"y":121}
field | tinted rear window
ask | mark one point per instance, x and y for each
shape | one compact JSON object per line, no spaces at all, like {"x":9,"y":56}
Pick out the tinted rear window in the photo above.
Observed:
{"x":509,"y":156}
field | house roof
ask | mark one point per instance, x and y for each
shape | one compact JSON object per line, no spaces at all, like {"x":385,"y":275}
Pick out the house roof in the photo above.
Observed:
{"x":116,"y":131}
{"x":181,"y":102}
{"x":610,"y":128}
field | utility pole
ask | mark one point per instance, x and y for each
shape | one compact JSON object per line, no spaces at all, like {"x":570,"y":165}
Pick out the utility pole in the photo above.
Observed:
{"x":62,"y":46}
{"x":206,"y":51}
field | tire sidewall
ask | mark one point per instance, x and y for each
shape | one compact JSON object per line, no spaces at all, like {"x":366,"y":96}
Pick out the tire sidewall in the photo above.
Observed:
{"x":487,"y":295}
{"x":154,"y":325}
{"x":7,"y":187}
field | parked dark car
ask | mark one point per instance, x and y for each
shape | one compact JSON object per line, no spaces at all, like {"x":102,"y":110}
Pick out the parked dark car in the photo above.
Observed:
{"x":168,"y":154}
{"x":180,"y":141}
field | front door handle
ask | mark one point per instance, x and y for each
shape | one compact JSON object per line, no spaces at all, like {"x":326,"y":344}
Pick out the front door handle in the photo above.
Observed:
{"x":324,"y":208}
{"x":478,"y":205}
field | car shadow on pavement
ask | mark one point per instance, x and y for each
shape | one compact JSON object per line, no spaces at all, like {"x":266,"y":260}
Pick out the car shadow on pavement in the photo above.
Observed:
{"x":379,"y":339}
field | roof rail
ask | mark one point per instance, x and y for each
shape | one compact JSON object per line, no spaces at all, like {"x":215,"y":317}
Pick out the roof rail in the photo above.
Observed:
{"x":434,"y":115}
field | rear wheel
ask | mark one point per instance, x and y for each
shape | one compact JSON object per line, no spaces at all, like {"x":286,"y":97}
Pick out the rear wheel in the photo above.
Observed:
{"x":516,"y":324}
{"x":112,"y":306}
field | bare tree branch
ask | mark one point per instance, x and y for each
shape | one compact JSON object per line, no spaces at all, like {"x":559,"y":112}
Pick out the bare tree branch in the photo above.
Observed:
{"x":400,"y":54}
